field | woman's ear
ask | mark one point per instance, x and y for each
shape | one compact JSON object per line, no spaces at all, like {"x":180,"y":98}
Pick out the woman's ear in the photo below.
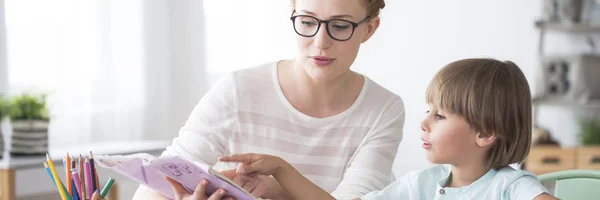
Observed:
{"x":485,"y":140}
{"x":372,"y":26}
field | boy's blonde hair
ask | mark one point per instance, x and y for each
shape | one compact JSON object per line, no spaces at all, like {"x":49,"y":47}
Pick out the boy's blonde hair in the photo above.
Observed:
{"x":494,"y":98}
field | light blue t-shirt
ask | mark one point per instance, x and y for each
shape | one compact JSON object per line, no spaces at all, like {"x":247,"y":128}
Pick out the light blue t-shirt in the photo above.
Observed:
{"x":504,"y":184}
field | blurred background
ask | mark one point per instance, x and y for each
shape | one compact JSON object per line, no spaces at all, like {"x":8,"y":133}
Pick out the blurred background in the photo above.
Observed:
{"x":132,"y":70}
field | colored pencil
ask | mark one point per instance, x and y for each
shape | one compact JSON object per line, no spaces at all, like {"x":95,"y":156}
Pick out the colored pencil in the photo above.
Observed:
{"x":82,"y":177}
{"x":49,"y":173}
{"x":83,"y":195}
{"x":95,"y":172}
{"x":57,"y":181}
{"x":106,"y":188}
{"x":77,"y":183}
{"x":88,"y":178}
{"x":96,"y":196}
{"x":74,"y":189}
{"x":68,"y":174}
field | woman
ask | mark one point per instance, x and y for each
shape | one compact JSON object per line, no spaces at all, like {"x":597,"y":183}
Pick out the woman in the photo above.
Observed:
{"x":337,"y":127}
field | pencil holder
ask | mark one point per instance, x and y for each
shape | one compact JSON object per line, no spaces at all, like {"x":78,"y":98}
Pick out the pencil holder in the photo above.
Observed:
{"x":81,"y":181}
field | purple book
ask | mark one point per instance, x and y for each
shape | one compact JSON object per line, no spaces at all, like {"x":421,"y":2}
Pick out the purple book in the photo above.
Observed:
{"x":149,"y":171}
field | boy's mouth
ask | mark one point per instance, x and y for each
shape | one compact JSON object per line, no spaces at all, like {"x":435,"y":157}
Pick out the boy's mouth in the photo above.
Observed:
{"x":426,"y":145}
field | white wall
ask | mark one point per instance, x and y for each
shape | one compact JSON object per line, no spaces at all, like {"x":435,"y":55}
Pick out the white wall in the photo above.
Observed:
{"x":3,"y":67}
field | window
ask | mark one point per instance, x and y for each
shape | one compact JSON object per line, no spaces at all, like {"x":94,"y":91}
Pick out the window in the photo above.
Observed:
{"x":242,"y":34}
{"x":88,"y":57}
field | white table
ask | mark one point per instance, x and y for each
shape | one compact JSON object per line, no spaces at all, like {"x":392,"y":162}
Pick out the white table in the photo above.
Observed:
{"x":9,"y":165}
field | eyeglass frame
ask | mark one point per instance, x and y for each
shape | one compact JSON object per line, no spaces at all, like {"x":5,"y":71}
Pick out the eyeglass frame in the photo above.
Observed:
{"x":326,"y":22}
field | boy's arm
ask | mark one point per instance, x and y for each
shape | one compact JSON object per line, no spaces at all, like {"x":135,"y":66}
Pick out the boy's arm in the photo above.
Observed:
{"x":527,"y":186}
{"x":545,"y":196}
{"x":289,"y":178}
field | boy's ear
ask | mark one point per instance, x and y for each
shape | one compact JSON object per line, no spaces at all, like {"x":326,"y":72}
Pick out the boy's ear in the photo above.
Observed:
{"x":485,"y":140}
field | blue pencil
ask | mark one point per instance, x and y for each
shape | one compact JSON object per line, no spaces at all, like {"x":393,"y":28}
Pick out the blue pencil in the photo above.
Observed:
{"x":74,"y":189}
{"x":49,"y":173}
{"x":53,"y":181}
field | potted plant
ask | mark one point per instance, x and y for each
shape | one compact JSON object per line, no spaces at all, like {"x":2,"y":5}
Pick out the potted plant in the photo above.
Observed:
{"x":589,"y":152}
{"x":5,"y":109}
{"x":29,"y":120}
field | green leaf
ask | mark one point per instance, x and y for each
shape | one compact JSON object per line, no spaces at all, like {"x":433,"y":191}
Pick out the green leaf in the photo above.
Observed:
{"x":590,"y":132}
{"x":5,"y":107}
{"x":29,"y":107}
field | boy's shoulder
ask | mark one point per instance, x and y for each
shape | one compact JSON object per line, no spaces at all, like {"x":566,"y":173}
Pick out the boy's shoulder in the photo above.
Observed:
{"x":517,"y":184}
{"x":436,"y":173}
{"x":509,"y":175}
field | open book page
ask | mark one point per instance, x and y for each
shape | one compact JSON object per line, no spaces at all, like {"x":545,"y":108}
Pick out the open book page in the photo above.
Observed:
{"x":150,"y":171}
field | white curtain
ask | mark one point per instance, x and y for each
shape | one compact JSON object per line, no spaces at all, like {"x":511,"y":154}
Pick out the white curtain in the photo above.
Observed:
{"x":242,"y":34}
{"x":3,"y":68}
{"x":113,"y":69}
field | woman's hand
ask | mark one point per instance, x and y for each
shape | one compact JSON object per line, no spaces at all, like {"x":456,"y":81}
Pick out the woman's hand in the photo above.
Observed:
{"x":199,"y":193}
{"x":296,"y":185}
{"x":252,"y":164}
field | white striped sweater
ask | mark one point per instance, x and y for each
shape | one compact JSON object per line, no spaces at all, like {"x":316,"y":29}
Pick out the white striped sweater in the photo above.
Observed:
{"x":349,"y":154}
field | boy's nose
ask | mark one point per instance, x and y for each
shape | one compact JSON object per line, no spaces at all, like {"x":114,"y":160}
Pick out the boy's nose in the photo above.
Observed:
{"x":424,"y":127}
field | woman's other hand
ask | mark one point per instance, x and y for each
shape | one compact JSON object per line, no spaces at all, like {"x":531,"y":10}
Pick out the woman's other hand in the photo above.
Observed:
{"x":199,"y":192}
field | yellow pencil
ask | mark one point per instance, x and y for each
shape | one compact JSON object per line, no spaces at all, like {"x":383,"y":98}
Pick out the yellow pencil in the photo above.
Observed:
{"x":59,"y":184}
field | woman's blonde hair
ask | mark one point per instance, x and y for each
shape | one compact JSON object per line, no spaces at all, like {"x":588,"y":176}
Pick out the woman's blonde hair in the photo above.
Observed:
{"x":494,"y":98}
{"x":373,"y":6}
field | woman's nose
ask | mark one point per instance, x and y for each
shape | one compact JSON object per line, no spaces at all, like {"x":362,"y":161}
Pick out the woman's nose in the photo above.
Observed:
{"x":322,"y":39}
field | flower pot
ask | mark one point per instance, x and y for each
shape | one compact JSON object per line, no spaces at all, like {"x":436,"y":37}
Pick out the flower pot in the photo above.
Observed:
{"x":29,"y":138}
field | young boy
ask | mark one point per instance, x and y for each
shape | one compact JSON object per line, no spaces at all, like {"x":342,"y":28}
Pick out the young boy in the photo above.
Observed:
{"x":479,"y":122}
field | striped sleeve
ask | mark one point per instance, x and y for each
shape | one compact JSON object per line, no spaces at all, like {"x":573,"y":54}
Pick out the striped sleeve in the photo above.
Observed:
{"x":371,"y":167}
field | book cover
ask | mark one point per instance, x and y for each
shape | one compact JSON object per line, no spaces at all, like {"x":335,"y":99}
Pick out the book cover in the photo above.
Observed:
{"x":149,"y":171}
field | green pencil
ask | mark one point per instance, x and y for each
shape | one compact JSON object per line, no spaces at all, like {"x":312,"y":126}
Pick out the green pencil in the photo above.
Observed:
{"x":106,"y":188}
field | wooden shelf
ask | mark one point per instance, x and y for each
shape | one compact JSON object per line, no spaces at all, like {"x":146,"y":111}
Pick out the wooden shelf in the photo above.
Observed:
{"x":564,"y":27}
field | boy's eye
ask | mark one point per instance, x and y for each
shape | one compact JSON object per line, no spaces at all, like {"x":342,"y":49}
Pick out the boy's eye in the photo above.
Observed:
{"x":439,"y":117}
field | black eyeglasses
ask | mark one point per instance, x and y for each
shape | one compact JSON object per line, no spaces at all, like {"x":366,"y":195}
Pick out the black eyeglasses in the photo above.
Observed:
{"x":337,"y":29}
